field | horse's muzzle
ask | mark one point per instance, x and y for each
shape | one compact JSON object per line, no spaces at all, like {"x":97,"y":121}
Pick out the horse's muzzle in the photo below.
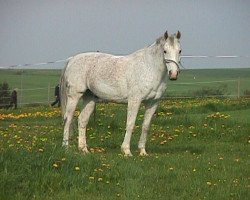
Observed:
{"x":173,"y":75}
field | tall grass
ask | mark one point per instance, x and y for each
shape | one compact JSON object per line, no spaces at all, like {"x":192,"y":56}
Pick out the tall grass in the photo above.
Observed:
{"x":199,"y":149}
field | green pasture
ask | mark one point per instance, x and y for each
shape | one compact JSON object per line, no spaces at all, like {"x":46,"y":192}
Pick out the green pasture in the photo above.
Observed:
{"x":198,"y":149}
{"x":33,"y":86}
{"x":37,"y":86}
{"x":232,"y":81}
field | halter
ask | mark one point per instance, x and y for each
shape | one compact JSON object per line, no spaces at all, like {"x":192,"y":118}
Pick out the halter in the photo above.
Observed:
{"x":177,"y":64}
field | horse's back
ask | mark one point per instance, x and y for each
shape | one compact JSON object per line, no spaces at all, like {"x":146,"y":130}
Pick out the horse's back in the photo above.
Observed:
{"x":103,"y":74}
{"x":115,"y":78}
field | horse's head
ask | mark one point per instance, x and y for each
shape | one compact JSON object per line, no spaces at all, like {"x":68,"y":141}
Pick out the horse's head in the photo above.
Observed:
{"x":172,"y":52}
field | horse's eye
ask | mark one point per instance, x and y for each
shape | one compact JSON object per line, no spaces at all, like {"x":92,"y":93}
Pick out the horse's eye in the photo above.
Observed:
{"x":180,"y":52}
{"x":164,"y":51}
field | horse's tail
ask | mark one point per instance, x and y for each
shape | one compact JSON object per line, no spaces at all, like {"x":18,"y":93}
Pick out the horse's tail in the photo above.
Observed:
{"x":63,"y":90}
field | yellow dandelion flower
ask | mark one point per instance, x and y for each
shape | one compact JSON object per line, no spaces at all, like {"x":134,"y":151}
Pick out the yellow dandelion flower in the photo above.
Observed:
{"x":99,"y":179}
{"x":55,"y":165}
{"x":163,"y":142}
{"x":77,"y":168}
{"x":209,"y":183}
{"x":41,"y":150}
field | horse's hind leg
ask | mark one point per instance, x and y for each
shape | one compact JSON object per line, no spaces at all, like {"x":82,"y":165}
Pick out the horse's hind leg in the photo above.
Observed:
{"x":83,"y":119}
{"x":68,"y":116}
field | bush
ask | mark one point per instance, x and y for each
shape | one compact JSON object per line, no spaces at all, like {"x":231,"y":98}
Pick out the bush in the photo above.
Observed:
{"x":4,"y":94}
{"x":247,"y":93}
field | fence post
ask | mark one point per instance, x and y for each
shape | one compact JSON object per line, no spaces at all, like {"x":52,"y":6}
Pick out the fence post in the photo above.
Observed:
{"x":238,"y":88}
{"x":21,"y":91}
{"x":48,"y":94}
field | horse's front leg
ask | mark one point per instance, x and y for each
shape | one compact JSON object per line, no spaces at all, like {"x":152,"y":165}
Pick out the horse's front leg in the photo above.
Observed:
{"x":150,"y":110}
{"x":133,"y":107}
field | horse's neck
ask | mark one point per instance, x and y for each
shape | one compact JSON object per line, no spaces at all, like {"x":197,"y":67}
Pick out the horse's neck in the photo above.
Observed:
{"x":151,"y":53}
{"x":155,"y":53}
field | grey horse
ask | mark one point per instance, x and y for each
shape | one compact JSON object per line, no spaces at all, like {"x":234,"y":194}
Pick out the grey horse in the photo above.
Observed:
{"x":140,"y":77}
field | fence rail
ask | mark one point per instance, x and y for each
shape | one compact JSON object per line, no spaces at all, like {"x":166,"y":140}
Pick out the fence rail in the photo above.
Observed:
{"x":45,"y":95}
{"x":67,"y":59}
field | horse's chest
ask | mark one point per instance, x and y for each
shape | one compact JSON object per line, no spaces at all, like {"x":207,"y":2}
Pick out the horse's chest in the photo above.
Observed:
{"x":157,"y":91}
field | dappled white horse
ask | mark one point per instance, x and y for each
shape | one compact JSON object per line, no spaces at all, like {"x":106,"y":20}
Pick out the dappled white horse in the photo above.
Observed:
{"x":134,"y":79}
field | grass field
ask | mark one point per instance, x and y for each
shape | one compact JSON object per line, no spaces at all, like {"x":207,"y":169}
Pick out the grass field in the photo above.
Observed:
{"x":199,"y":149}
{"x":37,"y":86}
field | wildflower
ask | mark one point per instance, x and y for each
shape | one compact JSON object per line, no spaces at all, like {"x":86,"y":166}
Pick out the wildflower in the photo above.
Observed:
{"x":77,"y":168}
{"x":55,"y":165}
{"x":209,"y":183}
{"x":163,"y":142}
{"x":41,"y":150}
{"x":91,"y":178}
{"x":99,"y":179}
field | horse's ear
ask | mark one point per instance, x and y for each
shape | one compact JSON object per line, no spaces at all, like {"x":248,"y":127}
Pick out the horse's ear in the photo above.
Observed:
{"x":178,"y":35}
{"x":166,"y":35}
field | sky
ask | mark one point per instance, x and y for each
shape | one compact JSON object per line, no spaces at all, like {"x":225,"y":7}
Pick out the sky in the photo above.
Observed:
{"x":34,"y":31}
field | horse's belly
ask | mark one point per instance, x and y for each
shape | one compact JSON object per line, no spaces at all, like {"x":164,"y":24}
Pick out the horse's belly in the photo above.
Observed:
{"x":109,"y":92}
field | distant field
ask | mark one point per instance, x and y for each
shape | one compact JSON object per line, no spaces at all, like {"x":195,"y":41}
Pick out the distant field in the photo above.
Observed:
{"x":192,"y":80}
{"x":34,"y":86}
{"x":37,"y":86}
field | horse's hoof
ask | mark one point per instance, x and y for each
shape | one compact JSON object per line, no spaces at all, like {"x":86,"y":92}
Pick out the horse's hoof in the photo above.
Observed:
{"x":143,"y":152}
{"x":128,"y":155}
{"x":65,"y":144}
{"x":126,"y":152}
{"x":84,"y":151}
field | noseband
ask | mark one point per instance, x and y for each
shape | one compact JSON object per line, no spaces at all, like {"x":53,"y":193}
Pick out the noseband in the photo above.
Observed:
{"x":177,"y":64}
